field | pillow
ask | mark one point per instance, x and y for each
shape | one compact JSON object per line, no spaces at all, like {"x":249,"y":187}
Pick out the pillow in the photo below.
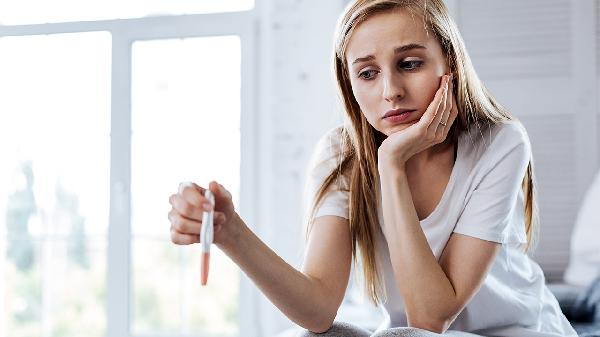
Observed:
{"x":584,"y":262}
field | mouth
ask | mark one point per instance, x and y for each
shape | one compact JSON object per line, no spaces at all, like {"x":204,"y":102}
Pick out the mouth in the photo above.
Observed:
{"x":397,"y":112}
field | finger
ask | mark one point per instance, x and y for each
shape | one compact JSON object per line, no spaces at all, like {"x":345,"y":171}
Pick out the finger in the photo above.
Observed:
{"x":452,"y":118}
{"x":435,"y":125}
{"x":441,"y":131}
{"x":199,"y":188}
{"x":219,"y":190}
{"x":194,"y":195}
{"x":184,"y":225}
{"x":451,"y":92}
{"x":432,"y":109}
{"x":219,"y":218}
{"x":183,"y":185}
{"x":454,"y":108}
{"x":191,"y":226}
{"x":183,"y":239}
{"x":454,"y":105}
{"x":185,"y":208}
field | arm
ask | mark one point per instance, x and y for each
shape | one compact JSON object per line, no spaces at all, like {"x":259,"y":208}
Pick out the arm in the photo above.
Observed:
{"x":312,"y":297}
{"x":434,"y":293}
{"x":309,"y":298}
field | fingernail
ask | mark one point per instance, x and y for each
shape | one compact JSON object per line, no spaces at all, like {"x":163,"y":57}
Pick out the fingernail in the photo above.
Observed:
{"x":182,"y":186}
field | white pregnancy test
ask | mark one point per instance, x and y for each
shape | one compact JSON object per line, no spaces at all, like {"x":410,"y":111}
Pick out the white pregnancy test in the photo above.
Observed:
{"x":206,"y":237}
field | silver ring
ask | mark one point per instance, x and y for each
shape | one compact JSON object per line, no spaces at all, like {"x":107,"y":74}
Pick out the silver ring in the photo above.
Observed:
{"x":444,"y":124}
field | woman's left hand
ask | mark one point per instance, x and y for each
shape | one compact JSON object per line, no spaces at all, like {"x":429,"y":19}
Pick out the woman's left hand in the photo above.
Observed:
{"x":429,"y":130}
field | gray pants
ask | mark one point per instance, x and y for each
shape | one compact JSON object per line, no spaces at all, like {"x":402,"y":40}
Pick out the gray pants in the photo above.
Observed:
{"x":340,"y":329}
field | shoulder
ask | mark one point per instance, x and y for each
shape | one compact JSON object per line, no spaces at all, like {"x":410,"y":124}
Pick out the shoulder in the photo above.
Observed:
{"x":327,"y":155}
{"x":495,"y":141}
{"x":331,"y":140}
{"x":328,"y":149}
{"x":510,"y":134}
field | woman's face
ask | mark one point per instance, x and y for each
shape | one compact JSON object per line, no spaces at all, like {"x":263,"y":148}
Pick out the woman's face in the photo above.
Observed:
{"x":394,"y":66}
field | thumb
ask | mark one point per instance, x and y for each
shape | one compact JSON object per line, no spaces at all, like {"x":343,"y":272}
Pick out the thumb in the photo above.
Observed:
{"x":219,"y":190}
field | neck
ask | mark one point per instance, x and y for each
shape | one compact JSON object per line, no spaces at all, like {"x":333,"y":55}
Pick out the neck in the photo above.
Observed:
{"x":426,"y":156}
{"x":431,"y":155}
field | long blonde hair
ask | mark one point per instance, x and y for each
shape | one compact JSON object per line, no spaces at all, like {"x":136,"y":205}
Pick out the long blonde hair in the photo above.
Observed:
{"x":359,"y":140}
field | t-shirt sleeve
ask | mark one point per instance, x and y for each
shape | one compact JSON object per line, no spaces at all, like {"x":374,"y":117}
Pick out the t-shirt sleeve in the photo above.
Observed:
{"x":324,"y":161}
{"x":494,"y":208}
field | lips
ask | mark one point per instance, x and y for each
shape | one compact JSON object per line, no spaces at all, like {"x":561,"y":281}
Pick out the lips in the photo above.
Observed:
{"x":395,"y":112}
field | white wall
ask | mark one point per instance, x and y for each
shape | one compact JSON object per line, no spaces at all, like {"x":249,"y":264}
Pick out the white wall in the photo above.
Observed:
{"x":297,"y":106}
{"x":539,"y":58}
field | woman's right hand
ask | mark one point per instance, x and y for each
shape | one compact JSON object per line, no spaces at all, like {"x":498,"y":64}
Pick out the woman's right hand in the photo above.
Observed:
{"x":188,"y":207}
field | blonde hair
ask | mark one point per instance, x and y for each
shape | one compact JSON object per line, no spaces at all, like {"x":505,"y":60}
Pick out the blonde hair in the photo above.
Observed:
{"x":359,"y":140}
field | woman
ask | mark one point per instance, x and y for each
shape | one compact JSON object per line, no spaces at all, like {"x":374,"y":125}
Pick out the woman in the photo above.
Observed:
{"x":429,"y":185}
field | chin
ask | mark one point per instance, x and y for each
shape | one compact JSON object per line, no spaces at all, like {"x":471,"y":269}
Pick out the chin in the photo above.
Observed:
{"x":396,"y":128}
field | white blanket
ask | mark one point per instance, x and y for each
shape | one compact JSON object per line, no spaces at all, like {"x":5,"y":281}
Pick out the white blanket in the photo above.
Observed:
{"x":584,"y":264}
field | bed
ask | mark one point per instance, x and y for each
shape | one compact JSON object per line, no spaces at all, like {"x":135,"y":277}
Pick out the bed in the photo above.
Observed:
{"x":581,"y":306}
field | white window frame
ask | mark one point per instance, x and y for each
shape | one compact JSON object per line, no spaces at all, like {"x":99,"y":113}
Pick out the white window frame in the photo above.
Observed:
{"x":124,"y":32}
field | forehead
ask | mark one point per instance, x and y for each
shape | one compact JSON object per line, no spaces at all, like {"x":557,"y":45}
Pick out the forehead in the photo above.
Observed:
{"x":388,"y":29}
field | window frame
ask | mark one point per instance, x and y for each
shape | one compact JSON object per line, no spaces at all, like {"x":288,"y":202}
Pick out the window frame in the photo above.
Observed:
{"x":124,"y":32}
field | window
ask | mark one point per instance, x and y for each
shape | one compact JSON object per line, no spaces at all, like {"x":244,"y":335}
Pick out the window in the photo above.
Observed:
{"x":185,"y":119}
{"x":98,"y":125}
{"x":18,"y":12}
{"x":54,"y":131}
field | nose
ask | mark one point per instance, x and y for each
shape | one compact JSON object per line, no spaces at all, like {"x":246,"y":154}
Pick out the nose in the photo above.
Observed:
{"x":393,"y":88}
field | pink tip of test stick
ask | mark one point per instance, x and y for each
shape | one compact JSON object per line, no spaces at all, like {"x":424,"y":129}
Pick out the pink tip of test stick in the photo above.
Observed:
{"x":204,"y":267}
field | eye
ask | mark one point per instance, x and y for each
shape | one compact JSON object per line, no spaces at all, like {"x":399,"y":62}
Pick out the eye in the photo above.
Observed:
{"x":410,"y":64}
{"x":367,"y":74}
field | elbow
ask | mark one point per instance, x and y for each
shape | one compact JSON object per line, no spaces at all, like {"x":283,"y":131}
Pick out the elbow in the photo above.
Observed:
{"x":318,"y":321}
{"x":320,"y":329}
{"x":321,"y":314}
{"x":431,"y":324}
{"x":435,"y":322}
{"x":320,"y":324}
{"x":321,"y":317}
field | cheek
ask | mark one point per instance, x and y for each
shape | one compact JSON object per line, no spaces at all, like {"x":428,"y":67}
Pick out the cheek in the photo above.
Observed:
{"x":425,"y":88}
{"x":365,"y":100}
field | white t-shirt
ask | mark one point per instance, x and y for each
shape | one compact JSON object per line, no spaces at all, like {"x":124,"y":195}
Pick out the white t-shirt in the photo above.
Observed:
{"x":483,"y":199}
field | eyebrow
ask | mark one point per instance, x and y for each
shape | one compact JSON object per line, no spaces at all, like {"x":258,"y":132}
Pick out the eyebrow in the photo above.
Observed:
{"x":397,"y":50}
